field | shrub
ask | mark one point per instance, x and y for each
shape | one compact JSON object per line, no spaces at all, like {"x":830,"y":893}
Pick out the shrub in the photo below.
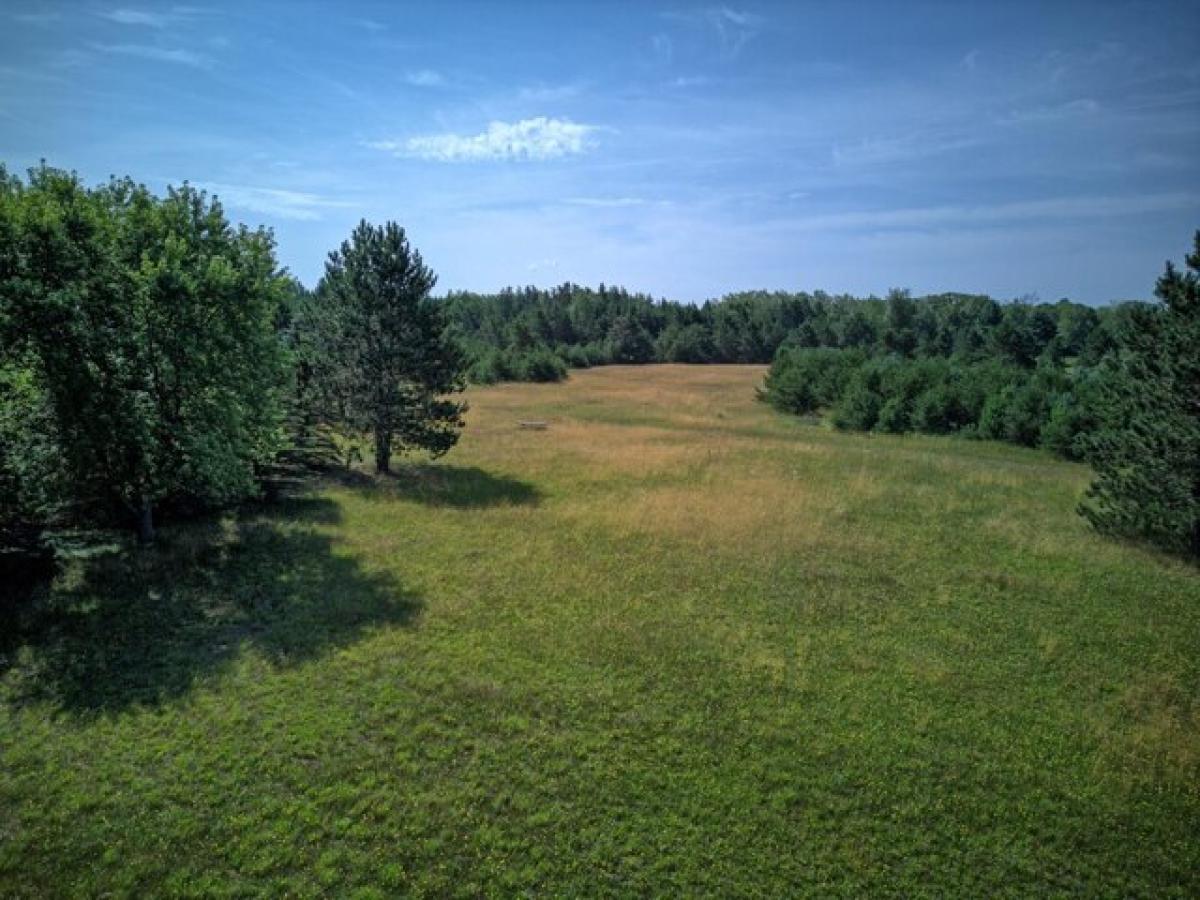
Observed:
{"x":542,"y":365}
{"x":803,"y":380}
{"x":941,"y":409}
{"x":576,"y":357}
{"x":858,"y":407}
{"x":894,"y":415}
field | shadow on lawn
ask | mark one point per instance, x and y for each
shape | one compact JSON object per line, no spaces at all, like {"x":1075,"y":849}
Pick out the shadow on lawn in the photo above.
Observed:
{"x":461,"y":487}
{"x":141,"y":627}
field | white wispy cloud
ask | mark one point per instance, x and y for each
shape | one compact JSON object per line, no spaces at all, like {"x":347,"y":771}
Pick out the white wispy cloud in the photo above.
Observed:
{"x":283,"y":204}
{"x":606,"y":202}
{"x":733,"y":28}
{"x":124,"y":16}
{"x":1070,"y":110}
{"x":539,"y":138}
{"x":1054,"y":208}
{"x":880,"y":151}
{"x":1110,"y":56}
{"x":425,"y":78}
{"x":176,"y":55}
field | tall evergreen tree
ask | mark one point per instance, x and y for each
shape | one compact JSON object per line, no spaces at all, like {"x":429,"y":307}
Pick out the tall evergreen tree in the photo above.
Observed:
{"x":390,"y":363}
{"x":900,"y":337}
{"x":1147,"y":458}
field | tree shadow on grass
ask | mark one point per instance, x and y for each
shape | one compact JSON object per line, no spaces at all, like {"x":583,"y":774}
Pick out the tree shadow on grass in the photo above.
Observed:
{"x":142,"y":627}
{"x":460,"y":487}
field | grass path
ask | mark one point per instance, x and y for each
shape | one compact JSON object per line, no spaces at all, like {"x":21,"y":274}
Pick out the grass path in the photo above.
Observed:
{"x":674,"y":644}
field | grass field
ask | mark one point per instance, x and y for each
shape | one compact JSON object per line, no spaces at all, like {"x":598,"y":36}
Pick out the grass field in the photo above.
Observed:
{"x":674,"y":644}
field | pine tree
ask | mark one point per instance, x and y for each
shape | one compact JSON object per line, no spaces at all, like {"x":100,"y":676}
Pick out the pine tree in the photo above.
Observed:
{"x":389,"y":362}
{"x":1147,"y":457}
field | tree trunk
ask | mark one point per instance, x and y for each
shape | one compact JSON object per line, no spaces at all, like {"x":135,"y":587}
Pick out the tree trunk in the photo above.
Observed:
{"x":145,"y":521}
{"x":383,"y":451}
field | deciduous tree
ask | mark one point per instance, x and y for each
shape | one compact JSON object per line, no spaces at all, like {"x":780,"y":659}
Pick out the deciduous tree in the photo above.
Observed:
{"x":149,"y":325}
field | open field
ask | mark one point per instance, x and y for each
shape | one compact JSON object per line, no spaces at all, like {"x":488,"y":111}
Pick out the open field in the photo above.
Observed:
{"x":676,"y":643}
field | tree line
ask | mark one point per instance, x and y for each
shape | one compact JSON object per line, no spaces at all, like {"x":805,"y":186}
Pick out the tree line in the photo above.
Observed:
{"x":156,"y":359}
{"x":532,"y":334}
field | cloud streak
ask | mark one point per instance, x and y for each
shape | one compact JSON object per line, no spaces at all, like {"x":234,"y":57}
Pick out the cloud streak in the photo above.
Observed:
{"x":1070,"y":110}
{"x":137,"y":17}
{"x":883,"y":151}
{"x":606,"y":202}
{"x":1054,"y":208}
{"x":734,"y":28}
{"x":174,"y":55}
{"x":425,"y":78}
{"x":282,"y":204}
{"x":539,"y":138}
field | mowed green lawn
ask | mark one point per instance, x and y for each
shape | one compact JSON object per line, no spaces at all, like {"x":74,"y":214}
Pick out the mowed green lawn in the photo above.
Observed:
{"x":674,"y":644}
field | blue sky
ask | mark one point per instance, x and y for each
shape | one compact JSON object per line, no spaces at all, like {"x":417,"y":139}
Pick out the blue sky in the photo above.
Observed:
{"x":1048,"y":149}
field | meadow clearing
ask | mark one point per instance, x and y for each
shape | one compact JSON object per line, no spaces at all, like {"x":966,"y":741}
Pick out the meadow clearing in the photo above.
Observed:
{"x":676,"y":643}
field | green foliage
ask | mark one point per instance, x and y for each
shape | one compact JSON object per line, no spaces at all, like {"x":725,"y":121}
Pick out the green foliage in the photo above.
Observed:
{"x":900,"y":337}
{"x":1054,"y":403}
{"x":577,"y":357}
{"x":535,"y":364}
{"x":1147,"y":454}
{"x":31,"y":487}
{"x":857,"y":408}
{"x":803,"y":380}
{"x":149,"y":323}
{"x":932,"y":395}
{"x":684,"y":344}
{"x":945,"y":407}
{"x":30,"y":483}
{"x":382,"y":356}
{"x":588,"y":327}
{"x":542,"y":364}
{"x":629,"y":342}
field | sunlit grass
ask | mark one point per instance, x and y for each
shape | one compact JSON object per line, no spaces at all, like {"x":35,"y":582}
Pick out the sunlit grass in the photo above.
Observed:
{"x":675,"y":643}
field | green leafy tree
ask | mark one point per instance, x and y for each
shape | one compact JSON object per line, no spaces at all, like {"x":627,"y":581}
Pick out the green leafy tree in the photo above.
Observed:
{"x":1147,"y":456}
{"x":29,"y":474}
{"x":629,"y":342}
{"x":150,"y":322}
{"x":387,"y":359}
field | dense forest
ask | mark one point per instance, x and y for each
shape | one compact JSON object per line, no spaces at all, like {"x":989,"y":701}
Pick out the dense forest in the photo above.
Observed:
{"x":154,"y":357}
{"x":582,"y":327}
{"x":509,"y":334}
